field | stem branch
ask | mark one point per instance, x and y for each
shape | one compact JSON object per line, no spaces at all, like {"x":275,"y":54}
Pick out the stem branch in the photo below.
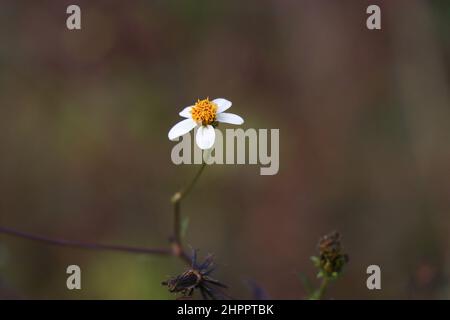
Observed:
{"x":84,"y":245}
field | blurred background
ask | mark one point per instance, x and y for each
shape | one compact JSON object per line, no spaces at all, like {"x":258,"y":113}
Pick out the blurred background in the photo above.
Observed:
{"x":364,"y":143}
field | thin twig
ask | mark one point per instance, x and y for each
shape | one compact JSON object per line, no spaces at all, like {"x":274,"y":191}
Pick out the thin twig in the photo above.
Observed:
{"x":84,"y":245}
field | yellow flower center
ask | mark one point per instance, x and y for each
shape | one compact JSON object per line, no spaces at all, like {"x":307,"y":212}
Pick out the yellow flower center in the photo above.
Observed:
{"x":204,"y":111}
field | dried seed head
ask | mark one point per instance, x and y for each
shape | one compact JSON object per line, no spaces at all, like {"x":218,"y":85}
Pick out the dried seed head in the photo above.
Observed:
{"x":197,"y":277}
{"x":331,"y":260}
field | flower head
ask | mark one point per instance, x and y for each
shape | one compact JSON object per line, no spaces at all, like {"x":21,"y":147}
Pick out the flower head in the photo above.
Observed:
{"x":204,"y":114}
{"x":331,"y":259}
{"x":197,"y":277}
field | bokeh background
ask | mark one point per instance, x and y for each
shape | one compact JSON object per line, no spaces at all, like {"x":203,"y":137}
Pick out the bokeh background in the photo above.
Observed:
{"x":364,"y":143}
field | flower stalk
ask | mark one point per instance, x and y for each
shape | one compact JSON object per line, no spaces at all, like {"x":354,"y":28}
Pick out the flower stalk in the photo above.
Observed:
{"x":320,"y":292}
{"x":177,"y":245}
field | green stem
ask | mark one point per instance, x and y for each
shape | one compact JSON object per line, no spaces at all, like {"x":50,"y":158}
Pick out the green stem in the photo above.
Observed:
{"x":319,"y":293}
{"x":178,"y":196}
{"x":177,"y":244}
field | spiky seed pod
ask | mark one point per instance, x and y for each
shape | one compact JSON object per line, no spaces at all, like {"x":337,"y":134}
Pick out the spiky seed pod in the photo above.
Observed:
{"x":197,"y":277}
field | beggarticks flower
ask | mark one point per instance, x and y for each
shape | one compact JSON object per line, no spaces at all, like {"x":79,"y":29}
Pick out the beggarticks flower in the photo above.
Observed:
{"x":197,"y":277}
{"x":205,"y":115}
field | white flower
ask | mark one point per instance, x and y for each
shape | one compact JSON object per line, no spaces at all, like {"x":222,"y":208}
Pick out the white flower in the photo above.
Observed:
{"x":205,"y":114}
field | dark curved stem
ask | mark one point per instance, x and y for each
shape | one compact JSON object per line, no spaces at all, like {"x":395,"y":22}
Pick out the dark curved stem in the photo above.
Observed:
{"x":83,"y":245}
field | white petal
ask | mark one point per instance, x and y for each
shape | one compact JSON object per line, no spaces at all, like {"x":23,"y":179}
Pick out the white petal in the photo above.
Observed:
{"x":181,"y":128}
{"x":186,"y":113}
{"x":229,"y":118}
{"x":205,"y":137}
{"x":222,"y":104}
